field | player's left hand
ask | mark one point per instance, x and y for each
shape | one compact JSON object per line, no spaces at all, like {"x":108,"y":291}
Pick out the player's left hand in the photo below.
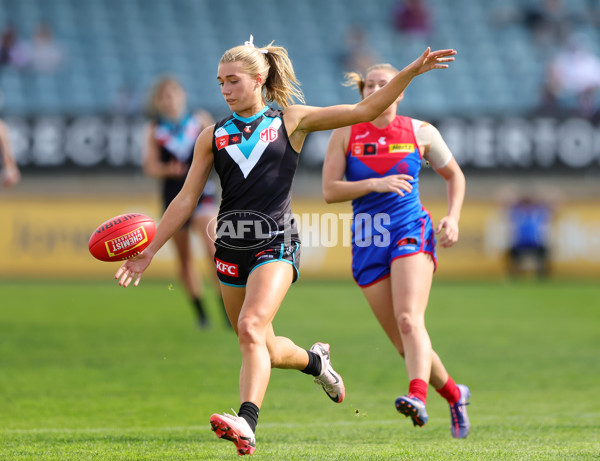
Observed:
{"x":448,"y":228}
{"x":132,"y":269}
{"x":432,"y":60}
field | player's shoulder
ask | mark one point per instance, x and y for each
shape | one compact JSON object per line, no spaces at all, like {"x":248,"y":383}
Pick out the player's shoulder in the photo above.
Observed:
{"x":152,"y":123}
{"x":206,"y":137}
{"x":415,"y":123}
{"x":151,"y":127}
{"x":274,"y":112}
{"x":343,"y":133}
{"x":208,"y":131}
{"x":344,"y":130}
{"x":203,"y":117}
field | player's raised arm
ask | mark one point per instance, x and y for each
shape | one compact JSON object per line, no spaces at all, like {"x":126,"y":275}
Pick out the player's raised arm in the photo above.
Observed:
{"x":178,"y":211}
{"x":308,"y":119}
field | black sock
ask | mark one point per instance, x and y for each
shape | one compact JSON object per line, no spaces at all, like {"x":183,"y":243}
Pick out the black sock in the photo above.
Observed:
{"x":199,"y":307}
{"x":314,"y":364}
{"x":249,"y":412}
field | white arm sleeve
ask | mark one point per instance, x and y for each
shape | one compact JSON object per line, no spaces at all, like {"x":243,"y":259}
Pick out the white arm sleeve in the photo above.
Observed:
{"x":438,"y":155}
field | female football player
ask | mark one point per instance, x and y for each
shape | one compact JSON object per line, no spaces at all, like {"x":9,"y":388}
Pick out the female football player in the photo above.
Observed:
{"x":255,"y":153}
{"x":393,"y":251}
{"x":169,"y":146}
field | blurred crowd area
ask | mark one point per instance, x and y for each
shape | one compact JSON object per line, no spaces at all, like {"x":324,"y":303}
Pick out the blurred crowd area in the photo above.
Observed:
{"x":522,"y":96}
{"x":100,"y":56}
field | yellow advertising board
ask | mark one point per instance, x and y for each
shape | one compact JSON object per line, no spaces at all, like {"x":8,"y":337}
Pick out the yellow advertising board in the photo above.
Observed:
{"x":48,"y":237}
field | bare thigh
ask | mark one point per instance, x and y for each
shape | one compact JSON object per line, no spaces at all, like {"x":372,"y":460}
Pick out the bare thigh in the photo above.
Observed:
{"x":379,"y":297}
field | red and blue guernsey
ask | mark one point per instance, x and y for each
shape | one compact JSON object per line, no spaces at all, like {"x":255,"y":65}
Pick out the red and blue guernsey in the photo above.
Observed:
{"x":386,"y":226}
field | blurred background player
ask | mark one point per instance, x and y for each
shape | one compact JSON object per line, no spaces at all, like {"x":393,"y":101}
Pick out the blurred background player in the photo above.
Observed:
{"x":10,"y":170}
{"x":255,"y":153}
{"x":529,"y":225}
{"x":394,"y":251}
{"x":529,"y":215}
{"x":169,"y":146}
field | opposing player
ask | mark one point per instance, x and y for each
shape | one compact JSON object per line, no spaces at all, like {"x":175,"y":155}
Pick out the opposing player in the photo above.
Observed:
{"x":393,"y":246}
{"x":255,"y":153}
{"x":169,"y":146}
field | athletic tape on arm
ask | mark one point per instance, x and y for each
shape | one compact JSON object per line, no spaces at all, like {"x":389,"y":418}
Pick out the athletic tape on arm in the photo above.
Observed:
{"x":438,"y":155}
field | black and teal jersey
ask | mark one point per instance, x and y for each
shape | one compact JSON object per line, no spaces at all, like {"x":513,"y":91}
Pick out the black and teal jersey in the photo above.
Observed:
{"x":176,"y":141}
{"x":256,"y":164}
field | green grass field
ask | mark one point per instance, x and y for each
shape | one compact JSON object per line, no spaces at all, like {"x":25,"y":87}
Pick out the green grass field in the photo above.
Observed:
{"x":89,"y":371}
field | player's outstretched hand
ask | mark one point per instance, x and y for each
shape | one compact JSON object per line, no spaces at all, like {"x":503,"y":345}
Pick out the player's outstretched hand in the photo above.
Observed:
{"x":432,"y":60}
{"x":133,"y":268}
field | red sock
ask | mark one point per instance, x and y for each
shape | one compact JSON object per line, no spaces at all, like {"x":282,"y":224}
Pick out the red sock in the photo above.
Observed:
{"x":450,"y":391}
{"x":418,"y":388}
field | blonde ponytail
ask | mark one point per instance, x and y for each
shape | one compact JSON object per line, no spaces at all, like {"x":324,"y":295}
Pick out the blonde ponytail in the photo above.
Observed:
{"x":354,"y":80}
{"x":280,"y":84}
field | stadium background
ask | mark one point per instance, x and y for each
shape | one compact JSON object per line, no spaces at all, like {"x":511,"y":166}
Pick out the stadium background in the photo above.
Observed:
{"x":76,"y":132}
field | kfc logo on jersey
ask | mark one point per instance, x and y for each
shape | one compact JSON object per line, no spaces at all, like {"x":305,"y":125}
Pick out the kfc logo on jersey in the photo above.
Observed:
{"x":226,"y":140}
{"x":269,"y":135}
{"x":229,"y":269}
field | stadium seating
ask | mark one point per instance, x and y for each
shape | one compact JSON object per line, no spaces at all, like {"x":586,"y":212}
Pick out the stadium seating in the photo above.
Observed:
{"x":112,"y":45}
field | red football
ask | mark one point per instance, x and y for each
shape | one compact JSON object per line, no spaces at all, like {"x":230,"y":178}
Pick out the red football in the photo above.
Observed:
{"x":122,"y":237}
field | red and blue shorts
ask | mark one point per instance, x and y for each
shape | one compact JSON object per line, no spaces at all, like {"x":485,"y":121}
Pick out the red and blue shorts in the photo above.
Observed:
{"x":372,"y":259}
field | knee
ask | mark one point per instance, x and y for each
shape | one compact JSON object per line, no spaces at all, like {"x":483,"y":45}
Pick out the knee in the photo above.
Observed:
{"x":409,"y":324}
{"x":249,"y":331}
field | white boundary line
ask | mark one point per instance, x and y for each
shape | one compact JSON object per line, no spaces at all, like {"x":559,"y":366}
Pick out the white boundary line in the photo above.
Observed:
{"x":94,"y":430}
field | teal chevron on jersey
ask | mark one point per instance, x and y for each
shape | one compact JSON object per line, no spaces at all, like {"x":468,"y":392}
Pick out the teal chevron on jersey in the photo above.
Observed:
{"x":248,"y":152}
{"x":256,"y":165}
